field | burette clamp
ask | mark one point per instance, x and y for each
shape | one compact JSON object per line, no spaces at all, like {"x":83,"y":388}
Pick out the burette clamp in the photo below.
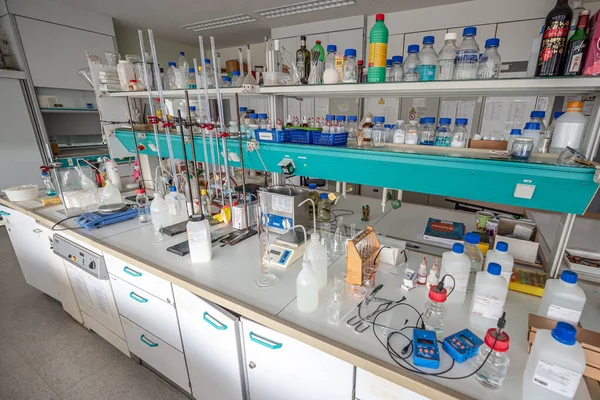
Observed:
{"x":223,"y":134}
{"x":168,"y":124}
{"x":153,"y":120}
{"x":210,"y":127}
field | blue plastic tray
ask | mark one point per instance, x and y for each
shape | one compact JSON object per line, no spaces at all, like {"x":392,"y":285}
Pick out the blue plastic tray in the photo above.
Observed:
{"x":330,"y":139}
{"x":301,"y":136}
{"x":272,"y":135}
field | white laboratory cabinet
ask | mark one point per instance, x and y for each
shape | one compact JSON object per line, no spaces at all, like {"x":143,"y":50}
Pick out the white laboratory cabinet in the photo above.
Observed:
{"x":279,"y":367}
{"x":373,"y":387}
{"x":213,"y":351}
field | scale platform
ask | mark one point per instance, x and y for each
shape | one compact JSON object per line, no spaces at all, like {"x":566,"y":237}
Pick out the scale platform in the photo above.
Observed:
{"x":96,"y":220}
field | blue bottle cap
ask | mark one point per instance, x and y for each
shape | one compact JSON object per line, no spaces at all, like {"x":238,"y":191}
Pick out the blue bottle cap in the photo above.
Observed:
{"x":388,"y":62}
{"x":397,"y":59}
{"x":445,"y":121}
{"x":206,"y":61}
{"x":379,"y":119}
{"x":458,"y":248}
{"x":323,"y":196}
{"x":235,"y":73}
{"x":472,"y":238}
{"x":429,"y":120}
{"x":243,"y":108}
{"x":226,"y":79}
{"x":44,"y":173}
{"x":171,"y":64}
{"x":192,"y":108}
{"x":422,"y":120}
{"x":492,"y":42}
{"x":557,"y":114}
{"x":413,"y":48}
{"x":181,"y":53}
{"x":340,"y":118}
{"x":470,"y":31}
{"x":515,"y":132}
{"x":502,"y":246}
{"x":191,"y":70}
{"x":312,"y":185}
{"x":461,"y":121}
{"x":568,"y":277}
{"x":331,"y":47}
{"x":353,"y":118}
{"x":538,"y":114}
{"x":172,"y":189}
{"x":350,"y":53}
{"x":329,"y":117}
{"x":253,"y":116}
{"x":564,"y":333}
{"x":532,"y":126}
{"x":428,"y":40}
{"x":494,"y":268}
{"x":262,"y":116}
{"x":387,"y":126}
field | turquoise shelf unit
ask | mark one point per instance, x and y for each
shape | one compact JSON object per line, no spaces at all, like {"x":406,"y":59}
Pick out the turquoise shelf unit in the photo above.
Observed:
{"x":557,"y":188}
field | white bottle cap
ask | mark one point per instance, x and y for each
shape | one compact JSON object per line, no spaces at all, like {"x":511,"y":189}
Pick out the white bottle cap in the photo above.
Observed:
{"x":450,"y":36}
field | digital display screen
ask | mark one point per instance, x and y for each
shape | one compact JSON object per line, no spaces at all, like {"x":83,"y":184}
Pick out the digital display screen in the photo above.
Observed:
{"x":275,"y":252}
{"x":425,"y":341}
{"x":466,"y":340}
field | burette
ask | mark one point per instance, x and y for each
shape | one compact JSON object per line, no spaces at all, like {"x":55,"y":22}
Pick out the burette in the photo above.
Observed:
{"x":162,"y":103}
{"x":203,"y":130}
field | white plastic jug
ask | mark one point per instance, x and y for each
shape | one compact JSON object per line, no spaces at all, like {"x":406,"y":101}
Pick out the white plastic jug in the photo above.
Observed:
{"x":198,"y":233}
{"x":456,"y":264}
{"x":489,"y":296}
{"x":317,"y":255}
{"x":501,"y":256}
{"x":159,"y":212}
{"x":307,"y":289}
{"x":110,"y":194}
{"x":563,"y":300}
{"x":177,"y":206}
{"x":555,"y":365}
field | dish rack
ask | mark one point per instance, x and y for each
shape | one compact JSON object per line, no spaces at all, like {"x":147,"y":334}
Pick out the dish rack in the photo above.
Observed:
{"x":362,"y":253}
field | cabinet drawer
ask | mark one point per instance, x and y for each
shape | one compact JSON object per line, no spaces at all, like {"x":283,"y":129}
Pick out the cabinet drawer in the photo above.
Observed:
{"x":373,"y":387}
{"x":280,"y":367}
{"x":158,"y":354}
{"x":140,"y":278}
{"x":147,"y":311}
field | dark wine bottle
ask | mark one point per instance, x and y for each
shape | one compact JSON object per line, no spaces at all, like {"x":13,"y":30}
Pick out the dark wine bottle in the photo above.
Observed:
{"x":576,"y":47}
{"x":303,"y":61}
{"x":552,"y":50}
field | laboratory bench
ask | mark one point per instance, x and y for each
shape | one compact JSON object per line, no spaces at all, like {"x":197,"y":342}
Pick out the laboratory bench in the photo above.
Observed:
{"x":285,"y":351}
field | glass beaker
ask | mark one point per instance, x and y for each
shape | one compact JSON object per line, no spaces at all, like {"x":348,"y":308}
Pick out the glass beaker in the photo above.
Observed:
{"x":339,"y":241}
{"x":327,"y":238}
{"x":266,"y":278}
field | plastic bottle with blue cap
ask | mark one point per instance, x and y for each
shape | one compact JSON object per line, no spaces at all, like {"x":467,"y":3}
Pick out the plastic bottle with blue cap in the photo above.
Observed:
{"x":428,"y":58}
{"x":555,"y":365}
{"x":456,"y":264}
{"x":467,"y":56}
{"x":514,"y":133}
{"x":489,"y":297}
{"x":443,"y":134}
{"x":446,"y":57}
{"x":412,"y":64}
{"x":350,"y":68}
{"x":563,"y":299}
{"x":490,"y":62}
{"x":500,"y":255}
{"x":535,"y":127}
{"x":461,"y":134}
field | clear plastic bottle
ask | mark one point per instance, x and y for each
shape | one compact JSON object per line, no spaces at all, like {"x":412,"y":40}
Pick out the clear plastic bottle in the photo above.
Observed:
{"x":435,"y":310}
{"x":48,"y":184}
{"x":351,"y":128}
{"x":389,"y":77}
{"x":170,"y":76}
{"x":399,"y":133}
{"x":456,"y":264}
{"x":429,"y":60}
{"x":324,"y":209}
{"x":263,"y":121}
{"x":467,"y":56}
{"x":533,"y":128}
{"x":252,"y":125}
{"x":226,"y":81}
{"x":461,"y":135}
{"x":143,"y":206}
{"x":443,"y":135}
{"x":350,"y":69}
{"x":555,"y":364}
{"x":388,"y":133}
{"x":191,"y":81}
{"x":176,"y":204}
{"x":378,"y":132}
{"x":489,"y":297}
{"x":501,"y":256}
{"x":205,"y":205}
{"x":412,"y":64}
{"x":235,"y":79}
{"x":397,"y":69}
{"x":412,"y":133}
{"x":446,"y":58}
{"x":210,"y":74}
{"x":492,"y":374}
{"x":490,"y":62}
{"x":474,"y":253}
{"x":427,"y":133}
{"x":330,"y":57}
{"x":182,"y":62}
{"x":314,"y":196}
{"x":563,"y":299}
{"x":199,"y":239}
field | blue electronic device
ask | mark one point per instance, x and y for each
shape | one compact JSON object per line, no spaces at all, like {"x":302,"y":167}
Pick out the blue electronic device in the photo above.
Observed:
{"x":96,"y":220}
{"x":425,"y":349}
{"x":462,"y":345}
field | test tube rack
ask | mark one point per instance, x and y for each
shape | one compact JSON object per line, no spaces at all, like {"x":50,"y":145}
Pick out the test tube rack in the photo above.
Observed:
{"x":357,"y":260}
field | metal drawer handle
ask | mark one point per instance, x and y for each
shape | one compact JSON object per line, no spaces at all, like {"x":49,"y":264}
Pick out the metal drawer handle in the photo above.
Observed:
{"x":264,"y":341}
{"x":220,"y":327}
{"x":131,"y":272}
{"x":148,"y":342}
{"x":137,"y":297}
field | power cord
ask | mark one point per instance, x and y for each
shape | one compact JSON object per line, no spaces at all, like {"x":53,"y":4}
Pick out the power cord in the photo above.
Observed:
{"x":66,"y":229}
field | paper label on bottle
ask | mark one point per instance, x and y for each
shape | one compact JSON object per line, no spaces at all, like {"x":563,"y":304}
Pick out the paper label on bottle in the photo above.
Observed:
{"x":282,"y":204}
{"x":197,"y":236}
{"x":459,"y":283}
{"x":506,"y":275}
{"x":487,"y":307}
{"x":377,"y":54}
{"x":563,"y":314}
{"x":426,"y":72}
{"x":575,"y":63}
{"x":557,"y":379}
{"x":265,"y":135}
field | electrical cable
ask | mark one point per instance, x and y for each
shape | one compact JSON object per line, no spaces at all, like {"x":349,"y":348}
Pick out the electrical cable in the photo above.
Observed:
{"x":66,"y":229}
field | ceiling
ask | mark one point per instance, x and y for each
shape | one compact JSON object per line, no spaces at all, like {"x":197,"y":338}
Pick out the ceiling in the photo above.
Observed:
{"x":166,"y":17}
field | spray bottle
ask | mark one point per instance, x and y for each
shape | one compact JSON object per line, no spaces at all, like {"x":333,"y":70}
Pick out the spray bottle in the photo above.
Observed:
{"x":307,"y":289}
{"x":315,"y":252}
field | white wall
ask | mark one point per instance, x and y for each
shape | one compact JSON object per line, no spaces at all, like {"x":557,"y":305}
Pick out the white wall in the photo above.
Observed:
{"x":257,"y":52}
{"x":3,"y":9}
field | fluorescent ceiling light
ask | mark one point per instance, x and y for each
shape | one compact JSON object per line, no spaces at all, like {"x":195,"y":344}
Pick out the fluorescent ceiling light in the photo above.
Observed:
{"x":220,"y":23}
{"x":305,"y":7}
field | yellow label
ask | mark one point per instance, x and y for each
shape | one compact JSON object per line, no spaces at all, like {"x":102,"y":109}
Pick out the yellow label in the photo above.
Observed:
{"x":377,"y":54}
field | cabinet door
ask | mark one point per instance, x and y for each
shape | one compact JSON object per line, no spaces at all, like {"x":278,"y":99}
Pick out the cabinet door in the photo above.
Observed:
{"x":212,"y":348}
{"x":372,"y":387}
{"x":280,"y":367}
{"x":351,"y":39}
{"x":516,"y":37}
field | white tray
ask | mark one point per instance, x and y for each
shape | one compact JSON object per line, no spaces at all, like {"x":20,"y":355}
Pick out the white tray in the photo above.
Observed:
{"x":594,"y":255}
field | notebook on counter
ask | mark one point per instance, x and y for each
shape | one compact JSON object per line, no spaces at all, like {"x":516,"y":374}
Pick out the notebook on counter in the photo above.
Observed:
{"x":444,"y":232}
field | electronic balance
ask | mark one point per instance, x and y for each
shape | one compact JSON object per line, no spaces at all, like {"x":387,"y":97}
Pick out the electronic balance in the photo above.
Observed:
{"x":288,"y":248}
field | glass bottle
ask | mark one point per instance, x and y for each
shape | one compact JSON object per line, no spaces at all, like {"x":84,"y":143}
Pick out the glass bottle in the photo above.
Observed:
{"x":427,"y":134}
{"x":490,"y":62}
{"x":303,"y":61}
{"x":460,"y":136}
{"x":205,"y":205}
{"x":388,"y":70}
{"x":226,"y":81}
{"x":577,"y":7}
{"x":266,"y":278}
{"x":210,"y":74}
{"x":263,"y":121}
{"x":378,"y":133}
{"x":48,"y":184}
{"x":351,"y":128}
{"x":235,"y":78}
{"x":446,"y":57}
{"x":314,"y":196}
{"x":411,"y":64}
{"x":435,"y":309}
{"x":399,"y":133}
{"x":397,"y":68}
{"x":492,"y":374}
{"x":362,"y":72}
{"x":143,"y":206}
{"x":252,"y":125}
{"x":467,"y":56}
{"x":443,"y":135}
{"x":367,"y":130}
{"x":412,"y":133}
{"x":474,"y":253}
{"x":191,"y":81}
{"x":339,"y":241}
{"x":428,"y":58}
{"x":324,"y":209}
{"x":340,"y":121}
{"x":576,"y":47}
{"x":556,"y":30}
{"x":350,"y":71}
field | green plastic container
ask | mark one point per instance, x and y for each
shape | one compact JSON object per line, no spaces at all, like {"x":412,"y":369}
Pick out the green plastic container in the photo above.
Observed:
{"x":321,"y":50}
{"x":378,"y":41}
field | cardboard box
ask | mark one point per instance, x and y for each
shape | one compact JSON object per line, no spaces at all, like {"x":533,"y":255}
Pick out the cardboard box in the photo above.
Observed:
{"x":590,"y":341}
{"x":523,"y":250}
{"x":488,"y":144}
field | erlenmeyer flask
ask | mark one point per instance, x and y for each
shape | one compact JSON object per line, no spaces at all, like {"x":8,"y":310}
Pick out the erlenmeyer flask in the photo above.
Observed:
{"x":338,"y":242}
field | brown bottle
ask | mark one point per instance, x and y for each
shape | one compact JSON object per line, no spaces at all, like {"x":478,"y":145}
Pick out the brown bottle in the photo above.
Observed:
{"x":556,"y":30}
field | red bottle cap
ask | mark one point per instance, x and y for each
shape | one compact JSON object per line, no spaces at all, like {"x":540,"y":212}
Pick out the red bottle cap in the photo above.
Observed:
{"x":140,"y":191}
{"x":361,"y":62}
{"x":439,"y":296}
{"x":379,"y":17}
{"x":502,"y":342}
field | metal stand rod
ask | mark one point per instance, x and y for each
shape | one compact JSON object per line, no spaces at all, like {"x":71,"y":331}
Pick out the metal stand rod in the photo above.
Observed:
{"x":560,"y":243}
{"x":193,"y":145}
{"x":202,"y":131}
{"x":246,"y":211}
{"x":185,"y":159}
{"x":207,"y":110}
{"x":135,"y":143}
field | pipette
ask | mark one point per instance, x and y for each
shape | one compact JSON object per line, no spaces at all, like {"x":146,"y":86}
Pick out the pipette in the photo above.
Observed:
{"x":207,"y":113}
{"x":242,"y":75}
{"x":190,"y":125}
{"x":202,"y":130}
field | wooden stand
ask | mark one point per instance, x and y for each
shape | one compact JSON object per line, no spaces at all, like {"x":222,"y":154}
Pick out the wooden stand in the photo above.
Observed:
{"x":355,"y":262}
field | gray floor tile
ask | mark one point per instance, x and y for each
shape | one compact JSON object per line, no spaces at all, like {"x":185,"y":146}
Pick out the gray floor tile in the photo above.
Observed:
{"x":18,"y":379}
{"x":123,"y":379}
